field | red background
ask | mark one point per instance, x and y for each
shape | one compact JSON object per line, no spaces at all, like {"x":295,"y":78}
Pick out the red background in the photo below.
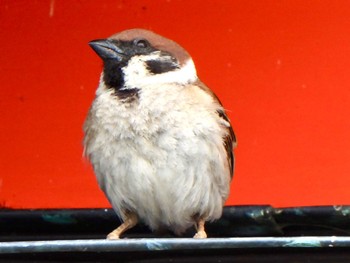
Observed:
{"x":281,"y":68}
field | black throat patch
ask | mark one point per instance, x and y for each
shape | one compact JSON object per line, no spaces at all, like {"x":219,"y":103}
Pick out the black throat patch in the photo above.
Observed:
{"x":113,"y":74}
{"x":113,"y":78}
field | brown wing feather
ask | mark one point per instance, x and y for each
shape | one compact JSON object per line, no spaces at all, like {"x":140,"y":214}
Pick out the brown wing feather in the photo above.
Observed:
{"x":229,"y":140}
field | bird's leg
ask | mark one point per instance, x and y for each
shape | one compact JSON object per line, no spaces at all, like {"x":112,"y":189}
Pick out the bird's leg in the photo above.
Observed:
{"x":200,"y":229}
{"x":129,"y":222}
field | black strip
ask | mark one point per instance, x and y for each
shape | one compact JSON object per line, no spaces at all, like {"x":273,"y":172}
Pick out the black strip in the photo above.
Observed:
{"x":127,"y":94}
{"x":161,"y":66}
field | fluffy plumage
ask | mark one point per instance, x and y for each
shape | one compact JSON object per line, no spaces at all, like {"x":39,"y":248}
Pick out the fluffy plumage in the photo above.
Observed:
{"x":159,"y":140}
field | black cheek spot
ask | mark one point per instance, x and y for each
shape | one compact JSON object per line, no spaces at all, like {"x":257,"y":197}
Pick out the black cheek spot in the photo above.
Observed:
{"x":158,"y":67}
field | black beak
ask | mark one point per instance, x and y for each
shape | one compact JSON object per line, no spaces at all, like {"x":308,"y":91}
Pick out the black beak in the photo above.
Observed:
{"x":107,"y":49}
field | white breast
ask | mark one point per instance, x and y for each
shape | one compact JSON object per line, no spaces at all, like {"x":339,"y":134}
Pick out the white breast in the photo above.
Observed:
{"x":162,"y":156}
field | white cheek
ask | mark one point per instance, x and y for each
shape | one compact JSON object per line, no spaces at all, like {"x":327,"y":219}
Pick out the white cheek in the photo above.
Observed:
{"x":136,"y":69}
{"x":137,"y":75}
{"x":185,"y":75}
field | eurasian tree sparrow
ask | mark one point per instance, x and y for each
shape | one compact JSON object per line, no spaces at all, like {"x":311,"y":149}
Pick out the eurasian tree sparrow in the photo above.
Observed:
{"x":159,"y":140}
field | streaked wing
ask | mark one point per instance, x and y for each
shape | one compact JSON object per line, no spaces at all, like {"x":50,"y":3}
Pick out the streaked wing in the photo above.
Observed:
{"x":229,"y":141}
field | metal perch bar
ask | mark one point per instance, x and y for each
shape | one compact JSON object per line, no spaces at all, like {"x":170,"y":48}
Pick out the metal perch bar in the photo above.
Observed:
{"x":167,"y":244}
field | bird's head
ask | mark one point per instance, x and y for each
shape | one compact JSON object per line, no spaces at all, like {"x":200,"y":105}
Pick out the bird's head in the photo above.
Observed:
{"x":136,"y":57}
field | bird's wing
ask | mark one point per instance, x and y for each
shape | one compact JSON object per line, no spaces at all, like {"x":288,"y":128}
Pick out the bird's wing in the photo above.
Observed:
{"x":229,"y":140}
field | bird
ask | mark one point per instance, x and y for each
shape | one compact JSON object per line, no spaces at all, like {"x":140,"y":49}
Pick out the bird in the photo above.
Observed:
{"x":159,"y":140}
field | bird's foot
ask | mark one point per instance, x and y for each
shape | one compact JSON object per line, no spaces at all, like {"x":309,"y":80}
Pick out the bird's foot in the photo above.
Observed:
{"x":200,"y":234}
{"x":113,"y":236}
{"x":129,"y":222}
{"x":200,"y":229}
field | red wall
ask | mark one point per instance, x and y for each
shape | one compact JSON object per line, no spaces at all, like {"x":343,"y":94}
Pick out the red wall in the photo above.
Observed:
{"x":281,"y":68}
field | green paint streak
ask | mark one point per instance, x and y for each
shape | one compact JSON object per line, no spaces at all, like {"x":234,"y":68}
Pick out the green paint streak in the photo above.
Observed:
{"x":298,"y":212}
{"x":62,"y":219}
{"x":303,"y":243}
{"x":156,"y":246}
{"x":345,"y":211}
{"x":256,"y":214}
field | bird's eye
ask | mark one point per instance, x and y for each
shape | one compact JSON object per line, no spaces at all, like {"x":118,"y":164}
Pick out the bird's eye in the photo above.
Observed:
{"x":142,"y":43}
